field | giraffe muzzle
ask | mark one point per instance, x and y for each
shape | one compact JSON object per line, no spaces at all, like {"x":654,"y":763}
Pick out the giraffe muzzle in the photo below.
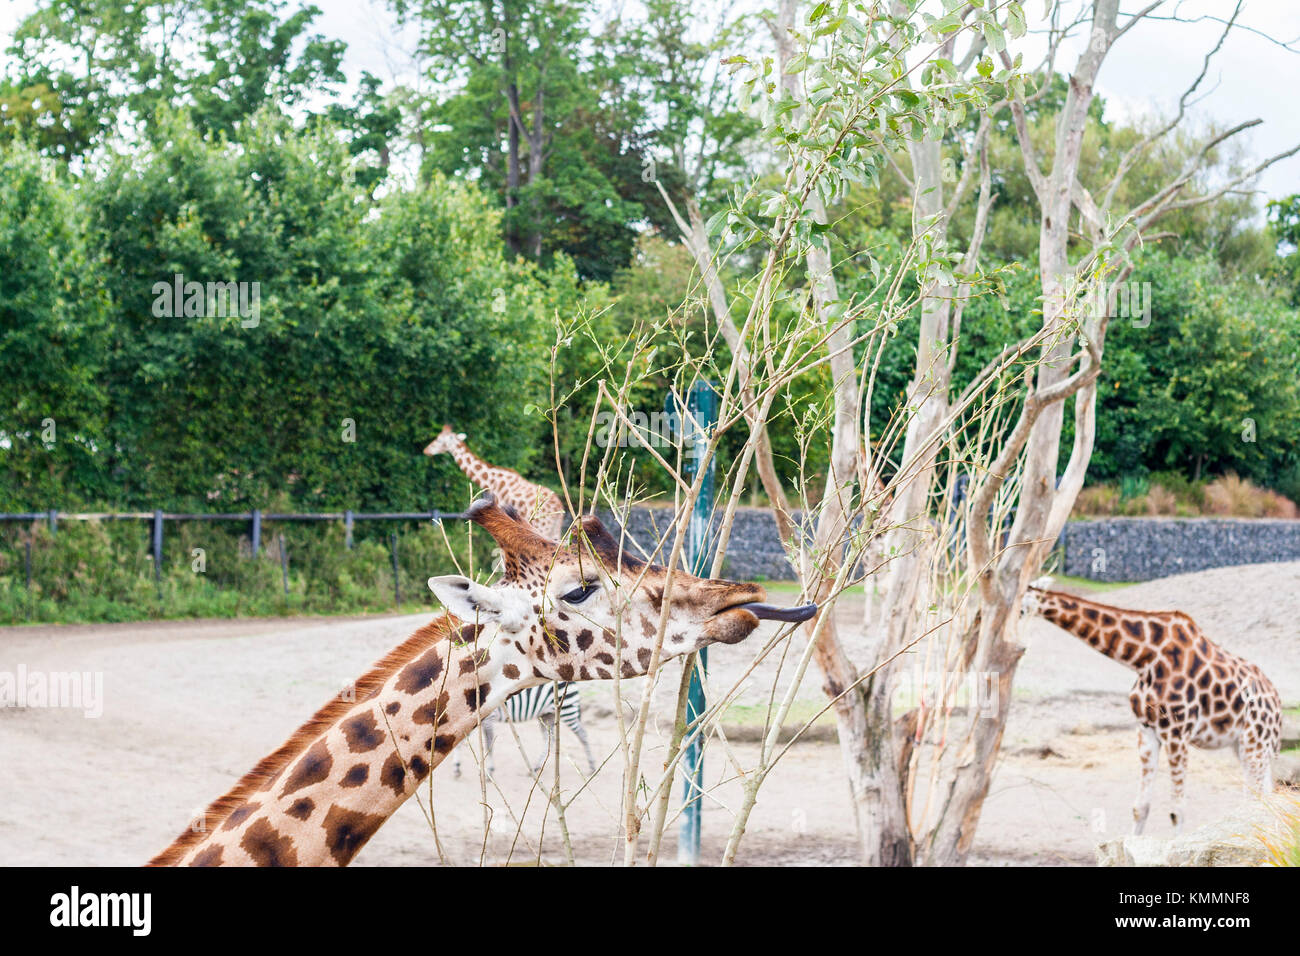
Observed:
{"x":770,"y":612}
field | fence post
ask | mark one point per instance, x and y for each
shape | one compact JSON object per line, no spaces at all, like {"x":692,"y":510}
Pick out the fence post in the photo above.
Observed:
{"x":284,"y":565}
{"x":54,"y":521}
{"x":28,"y":549}
{"x":157,"y":543}
{"x":697,"y":418}
{"x":347,"y":529}
{"x":397,"y":587}
{"x":257,"y":531}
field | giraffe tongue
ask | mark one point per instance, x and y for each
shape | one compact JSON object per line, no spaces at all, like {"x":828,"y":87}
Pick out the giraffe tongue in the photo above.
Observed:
{"x":770,"y":612}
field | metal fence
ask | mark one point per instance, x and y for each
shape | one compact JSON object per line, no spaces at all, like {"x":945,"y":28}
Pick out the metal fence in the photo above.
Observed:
{"x":254,"y":518}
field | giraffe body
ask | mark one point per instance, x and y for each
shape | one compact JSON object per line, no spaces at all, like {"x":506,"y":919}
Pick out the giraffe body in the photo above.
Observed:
{"x":572,"y":612}
{"x":1189,"y":692}
{"x":538,"y":505}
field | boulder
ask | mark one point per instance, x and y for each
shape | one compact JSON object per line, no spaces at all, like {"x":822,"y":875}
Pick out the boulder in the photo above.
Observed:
{"x":1233,"y":840}
{"x":1286,"y":770}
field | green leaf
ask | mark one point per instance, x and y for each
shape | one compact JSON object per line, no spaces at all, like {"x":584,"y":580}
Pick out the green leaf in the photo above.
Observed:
{"x":993,"y":34}
{"x":1015,"y":20}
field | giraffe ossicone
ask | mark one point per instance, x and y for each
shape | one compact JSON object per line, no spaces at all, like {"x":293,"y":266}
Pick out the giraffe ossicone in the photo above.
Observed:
{"x":562,"y":612}
{"x":1189,"y":690}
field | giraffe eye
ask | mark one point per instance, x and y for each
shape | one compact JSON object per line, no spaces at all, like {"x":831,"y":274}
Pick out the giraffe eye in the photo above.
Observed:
{"x":580,"y":593}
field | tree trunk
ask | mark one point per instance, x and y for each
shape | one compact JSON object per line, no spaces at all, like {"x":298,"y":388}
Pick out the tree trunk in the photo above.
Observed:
{"x":512,"y":165}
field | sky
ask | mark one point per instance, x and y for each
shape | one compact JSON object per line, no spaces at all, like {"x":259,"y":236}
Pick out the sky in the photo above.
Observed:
{"x":1144,"y":75}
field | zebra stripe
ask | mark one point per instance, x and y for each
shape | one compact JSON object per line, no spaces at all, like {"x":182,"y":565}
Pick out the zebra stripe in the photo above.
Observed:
{"x":534,"y":702}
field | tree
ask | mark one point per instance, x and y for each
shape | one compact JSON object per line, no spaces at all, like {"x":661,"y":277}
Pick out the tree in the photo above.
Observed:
{"x":528,"y":113}
{"x":54,"y":325}
{"x":1080,"y":293}
{"x":91,"y":63}
{"x":369,"y":331}
{"x":1284,"y":226}
{"x":824,"y":97}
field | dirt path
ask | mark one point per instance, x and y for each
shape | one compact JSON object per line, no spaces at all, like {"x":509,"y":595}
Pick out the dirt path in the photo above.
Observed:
{"x":189,"y":706}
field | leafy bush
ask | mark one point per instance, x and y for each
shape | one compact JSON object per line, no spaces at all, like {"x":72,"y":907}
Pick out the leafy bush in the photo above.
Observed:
{"x":103,"y":571}
{"x":53,"y":332}
{"x":1229,"y":496}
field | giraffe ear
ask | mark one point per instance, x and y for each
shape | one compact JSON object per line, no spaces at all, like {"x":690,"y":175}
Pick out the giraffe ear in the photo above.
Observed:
{"x":460,"y":435}
{"x":1044,"y":583}
{"x":471,"y":602}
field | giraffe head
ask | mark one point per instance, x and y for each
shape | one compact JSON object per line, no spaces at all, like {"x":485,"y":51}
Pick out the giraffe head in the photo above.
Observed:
{"x":586,"y":611}
{"x":446,"y":442}
{"x":1035,"y":596}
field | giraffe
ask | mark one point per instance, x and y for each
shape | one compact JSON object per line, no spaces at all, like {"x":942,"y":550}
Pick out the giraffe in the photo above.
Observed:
{"x":1189,"y":691}
{"x":562,"y":612}
{"x":538,"y":504}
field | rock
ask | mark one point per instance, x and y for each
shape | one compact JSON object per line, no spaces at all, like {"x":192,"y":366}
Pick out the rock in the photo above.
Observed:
{"x":1286,"y":770}
{"x":1290,"y":730}
{"x":1231,"y":841}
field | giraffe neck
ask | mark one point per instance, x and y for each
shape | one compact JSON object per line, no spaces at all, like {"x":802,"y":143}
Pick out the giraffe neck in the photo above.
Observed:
{"x":317,"y":800}
{"x":473,"y":466}
{"x":1127,"y":636}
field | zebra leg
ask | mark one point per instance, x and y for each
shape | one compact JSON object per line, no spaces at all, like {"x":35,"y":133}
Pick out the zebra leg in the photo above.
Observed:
{"x":574,"y":722}
{"x":489,"y":740}
{"x":551,"y":725}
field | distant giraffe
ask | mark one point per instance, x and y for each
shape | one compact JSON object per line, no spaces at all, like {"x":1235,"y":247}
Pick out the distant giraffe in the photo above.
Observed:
{"x":537,"y":504}
{"x":1189,"y":690}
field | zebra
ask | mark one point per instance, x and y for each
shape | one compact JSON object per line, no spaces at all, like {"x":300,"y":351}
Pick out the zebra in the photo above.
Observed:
{"x":535,"y":702}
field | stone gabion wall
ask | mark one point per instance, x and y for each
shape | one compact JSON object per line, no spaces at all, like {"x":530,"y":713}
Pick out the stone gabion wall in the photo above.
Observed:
{"x":1141,"y":549}
{"x":753,"y":554}
{"x":1108,"y":549}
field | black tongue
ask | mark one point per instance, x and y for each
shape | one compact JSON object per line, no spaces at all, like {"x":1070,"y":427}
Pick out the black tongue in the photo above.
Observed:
{"x":770,"y":612}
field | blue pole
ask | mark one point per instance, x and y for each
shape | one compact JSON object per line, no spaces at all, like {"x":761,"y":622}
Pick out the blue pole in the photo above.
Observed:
{"x":700,"y":417}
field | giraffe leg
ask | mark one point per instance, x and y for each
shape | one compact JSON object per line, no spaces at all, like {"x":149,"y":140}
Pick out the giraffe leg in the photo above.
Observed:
{"x":1178,"y":775}
{"x":1257,"y":766}
{"x":1149,"y":757}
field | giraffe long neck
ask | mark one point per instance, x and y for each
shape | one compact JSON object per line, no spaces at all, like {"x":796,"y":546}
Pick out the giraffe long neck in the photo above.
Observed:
{"x":1129,"y":637}
{"x":317,"y":800}
{"x":475,"y":467}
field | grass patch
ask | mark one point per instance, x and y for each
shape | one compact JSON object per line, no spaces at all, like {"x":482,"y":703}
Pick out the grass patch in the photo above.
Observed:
{"x":781,"y":587}
{"x":1281,"y":839}
{"x":756,"y":715}
{"x":1087,"y":584}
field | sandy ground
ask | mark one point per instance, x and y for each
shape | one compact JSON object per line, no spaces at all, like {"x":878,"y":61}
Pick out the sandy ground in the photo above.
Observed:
{"x":189,"y":706}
